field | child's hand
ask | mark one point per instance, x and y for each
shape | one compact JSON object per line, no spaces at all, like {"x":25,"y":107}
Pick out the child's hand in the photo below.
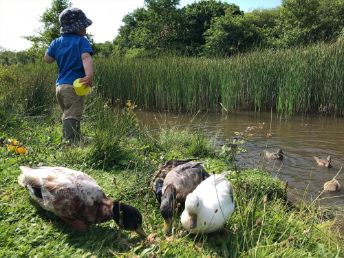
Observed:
{"x":87,"y":81}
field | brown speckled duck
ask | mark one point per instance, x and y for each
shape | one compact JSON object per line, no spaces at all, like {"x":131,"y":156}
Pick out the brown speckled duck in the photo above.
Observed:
{"x":178,"y":183}
{"x":77,"y":198}
{"x":160,"y":174}
{"x":323,"y":162}
{"x":332,"y":186}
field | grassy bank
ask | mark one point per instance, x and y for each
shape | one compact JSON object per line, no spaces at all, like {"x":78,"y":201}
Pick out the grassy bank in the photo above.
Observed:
{"x":122,"y":156}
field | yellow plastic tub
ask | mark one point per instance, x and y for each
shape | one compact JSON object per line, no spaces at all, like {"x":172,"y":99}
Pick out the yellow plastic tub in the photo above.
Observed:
{"x":81,"y":89}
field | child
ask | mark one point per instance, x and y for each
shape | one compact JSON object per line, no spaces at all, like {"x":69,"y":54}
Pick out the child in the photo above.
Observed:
{"x":73,"y":55}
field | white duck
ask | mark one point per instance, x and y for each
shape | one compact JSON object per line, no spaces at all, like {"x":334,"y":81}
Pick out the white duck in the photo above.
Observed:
{"x":209,"y":206}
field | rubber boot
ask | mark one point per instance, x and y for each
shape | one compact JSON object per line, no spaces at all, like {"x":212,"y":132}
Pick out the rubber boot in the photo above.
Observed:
{"x":71,"y":131}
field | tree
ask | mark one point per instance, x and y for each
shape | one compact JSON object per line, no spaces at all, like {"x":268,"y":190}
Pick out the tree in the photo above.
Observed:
{"x":229,"y":35}
{"x":265,"y":23}
{"x":198,"y":17}
{"x":331,"y":13}
{"x":157,"y":27}
{"x":299,"y":22}
{"x":103,"y":49}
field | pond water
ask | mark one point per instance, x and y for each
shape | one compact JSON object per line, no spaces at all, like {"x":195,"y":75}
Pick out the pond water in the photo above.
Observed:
{"x":300,"y":138}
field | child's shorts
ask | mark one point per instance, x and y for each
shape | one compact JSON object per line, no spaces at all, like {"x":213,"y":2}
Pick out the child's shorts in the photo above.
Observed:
{"x":71,"y":104}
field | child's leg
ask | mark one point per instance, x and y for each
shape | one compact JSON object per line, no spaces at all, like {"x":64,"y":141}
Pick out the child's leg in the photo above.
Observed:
{"x":72,"y":107}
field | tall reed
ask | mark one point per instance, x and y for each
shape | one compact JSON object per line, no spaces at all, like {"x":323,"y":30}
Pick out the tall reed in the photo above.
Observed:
{"x":27,"y":89}
{"x":300,"y":80}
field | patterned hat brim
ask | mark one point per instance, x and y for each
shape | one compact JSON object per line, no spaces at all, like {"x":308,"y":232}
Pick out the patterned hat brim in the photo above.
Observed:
{"x":75,"y":28}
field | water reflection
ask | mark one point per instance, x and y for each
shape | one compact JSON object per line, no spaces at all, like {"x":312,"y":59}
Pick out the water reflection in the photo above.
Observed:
{"x":300,"y":138}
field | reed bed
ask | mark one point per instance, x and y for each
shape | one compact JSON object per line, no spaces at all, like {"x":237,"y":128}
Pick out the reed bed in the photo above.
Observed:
{"x":300,"y":80}
{"x":27,"y":89}
{"x":291,"y":81}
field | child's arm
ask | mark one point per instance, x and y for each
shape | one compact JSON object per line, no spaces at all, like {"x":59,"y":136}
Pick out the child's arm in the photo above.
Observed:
{"x":87,"y":62}
{"x":48,"y":58}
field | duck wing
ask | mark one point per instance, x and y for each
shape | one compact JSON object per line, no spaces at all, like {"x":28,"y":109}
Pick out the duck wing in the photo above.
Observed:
{"x":165,"y":168}
{"x":185,"y":178}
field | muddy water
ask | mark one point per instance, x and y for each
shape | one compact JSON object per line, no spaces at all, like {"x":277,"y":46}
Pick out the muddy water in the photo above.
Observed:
{"x":300,"y":138}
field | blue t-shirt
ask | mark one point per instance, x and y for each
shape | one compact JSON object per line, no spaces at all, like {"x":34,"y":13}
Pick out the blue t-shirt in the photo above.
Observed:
{"x":67,"y":51}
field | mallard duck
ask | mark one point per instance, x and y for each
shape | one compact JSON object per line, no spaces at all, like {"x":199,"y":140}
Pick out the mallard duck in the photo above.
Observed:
{"x":159,"y":175}
{"x":209,"y":206}
{"x":323,"y":162}
{"x":332,"y":186}
{"x":77,"y":198}
{"x":178,"y":183}
{"x":278,"y":155}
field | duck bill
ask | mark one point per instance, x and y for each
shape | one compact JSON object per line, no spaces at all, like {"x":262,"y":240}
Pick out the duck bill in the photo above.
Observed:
{"x":168,"y":226}
{"x":141,"y":233}
{"x":193,"y":221}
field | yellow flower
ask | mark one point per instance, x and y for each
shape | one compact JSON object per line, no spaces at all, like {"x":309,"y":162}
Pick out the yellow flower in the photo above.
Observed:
{"x":21,"y":150}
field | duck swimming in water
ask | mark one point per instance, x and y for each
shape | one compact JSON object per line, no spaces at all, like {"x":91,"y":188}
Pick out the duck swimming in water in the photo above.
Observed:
{"x":278,"y":155}
{"x":76,"y":198}
{"x":178,"y":183}
{"x":323,"y":162}
{"x":332,"y":186}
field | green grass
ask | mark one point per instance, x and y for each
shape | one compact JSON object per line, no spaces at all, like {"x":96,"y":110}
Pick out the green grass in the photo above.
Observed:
{"x":263,"y":225}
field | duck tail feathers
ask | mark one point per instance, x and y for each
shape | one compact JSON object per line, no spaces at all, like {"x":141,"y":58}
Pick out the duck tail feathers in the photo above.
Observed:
{"x":21,"y":180}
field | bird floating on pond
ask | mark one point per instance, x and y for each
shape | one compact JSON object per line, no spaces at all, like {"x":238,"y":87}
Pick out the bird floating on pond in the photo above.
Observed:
{"x":332,"y":186}
{"x":323,"y":162}
{"x":278,"y":155}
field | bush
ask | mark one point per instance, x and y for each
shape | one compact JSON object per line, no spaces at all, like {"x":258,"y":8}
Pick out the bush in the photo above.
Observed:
{"x":112,"y":128}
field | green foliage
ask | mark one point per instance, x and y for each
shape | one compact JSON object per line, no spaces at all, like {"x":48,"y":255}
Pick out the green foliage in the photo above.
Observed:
{"x":257,"y":184}
{"x":214,"y":28}
{"x":230,"y":35}
{"x":112,"y":130}
{"x":264,"y":22}
{"x":21,"y":57}
{"x":158,"y":26}
{"x":105,"y":49}
{"x":198,"y":19}
{"x":184,"y":143}
{"x":299,"y":22}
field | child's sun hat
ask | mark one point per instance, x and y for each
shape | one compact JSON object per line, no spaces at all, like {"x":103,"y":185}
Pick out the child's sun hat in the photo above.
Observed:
{"x":73,"y":19}
{"x":81,"y":89}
